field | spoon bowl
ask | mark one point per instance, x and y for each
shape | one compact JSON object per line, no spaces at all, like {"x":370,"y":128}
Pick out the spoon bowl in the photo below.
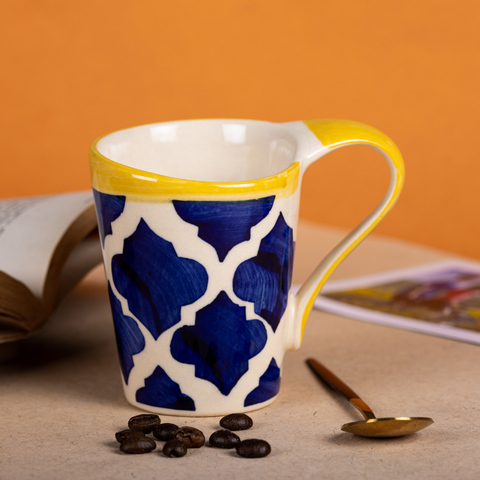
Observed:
{"x":387,"y":427}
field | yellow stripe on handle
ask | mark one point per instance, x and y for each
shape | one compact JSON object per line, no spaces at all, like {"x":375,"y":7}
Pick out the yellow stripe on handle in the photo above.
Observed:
{"x":339,"y":133}
{"x":335,"y":134}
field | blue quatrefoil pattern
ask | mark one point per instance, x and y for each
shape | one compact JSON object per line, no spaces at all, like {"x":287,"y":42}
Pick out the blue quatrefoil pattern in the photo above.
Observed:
{"x":220,"y":343}
{"x":161,"y":391}
{"x":265,"y":279}
{"x":224,"y":224}
{"x":130,"y":340}
{"x":109,"y":208}
{"x":268,"y":386}
{"x":156,"y":283}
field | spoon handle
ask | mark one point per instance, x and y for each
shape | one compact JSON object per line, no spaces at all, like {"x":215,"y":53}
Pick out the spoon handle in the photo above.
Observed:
{"x":336,"y":384}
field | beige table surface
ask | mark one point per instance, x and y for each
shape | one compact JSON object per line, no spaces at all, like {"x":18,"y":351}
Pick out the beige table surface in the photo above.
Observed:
{"x":61,"y":401}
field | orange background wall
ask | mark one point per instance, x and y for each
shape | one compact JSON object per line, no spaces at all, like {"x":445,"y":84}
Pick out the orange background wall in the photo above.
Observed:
{"x":72,"y":71}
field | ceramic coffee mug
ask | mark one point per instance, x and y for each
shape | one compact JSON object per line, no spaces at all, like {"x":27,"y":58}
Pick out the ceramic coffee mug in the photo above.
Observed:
{"x":198,"y":225}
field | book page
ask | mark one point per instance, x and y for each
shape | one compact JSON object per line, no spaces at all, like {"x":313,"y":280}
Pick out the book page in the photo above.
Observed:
{"x":439,"y":298}
{"x":84,"y":257}
{"x":30,"y":229}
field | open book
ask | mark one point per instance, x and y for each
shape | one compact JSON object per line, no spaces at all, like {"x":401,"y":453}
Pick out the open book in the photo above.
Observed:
{"x":47,"y":245}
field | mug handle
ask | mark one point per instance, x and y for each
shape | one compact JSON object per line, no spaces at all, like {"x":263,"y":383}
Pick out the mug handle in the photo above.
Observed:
{"x":335,"y":134}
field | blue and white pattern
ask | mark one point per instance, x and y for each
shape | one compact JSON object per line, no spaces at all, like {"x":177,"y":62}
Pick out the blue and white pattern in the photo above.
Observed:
{"x":224,"y":224}
{"x":155,"y":281}
{"x":161,"y":391}
{"x":265,"y":279}
{"x":205,"y":304}
{"x":109,"y":208}
{"x":221,"y":343}
{"x":268,"y":386}
{"x":130,"y":340}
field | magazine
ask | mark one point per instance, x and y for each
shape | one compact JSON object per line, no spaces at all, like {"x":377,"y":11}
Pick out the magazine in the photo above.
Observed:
{"x":440,"y":298}
{"x":47,"y":245}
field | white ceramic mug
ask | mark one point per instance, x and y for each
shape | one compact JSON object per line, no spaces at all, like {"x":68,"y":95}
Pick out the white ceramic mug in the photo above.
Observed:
{"x":198,"y":224}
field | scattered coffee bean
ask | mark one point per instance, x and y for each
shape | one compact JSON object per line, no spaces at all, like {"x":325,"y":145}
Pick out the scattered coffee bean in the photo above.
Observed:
{"x":236,"y":421}
{"x":191,"y":437}
{"x":178,"y":440}
{"x":253,"y":448}
{"x":224,"y":439}
{"x":164,"y":431}
{"x":144,"y":422}
{"x":124,"y":434}
{"x":174,"y":448}
{"x":138,"y":443}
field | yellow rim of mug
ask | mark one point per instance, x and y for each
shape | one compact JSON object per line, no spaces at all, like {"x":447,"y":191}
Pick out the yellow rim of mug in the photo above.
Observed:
{"x":137,"y":185}
{"x":340,"y":133}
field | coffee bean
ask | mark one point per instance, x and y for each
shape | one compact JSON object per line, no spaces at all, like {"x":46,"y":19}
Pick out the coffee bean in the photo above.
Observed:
{"x":124,"y":434}
{"x":253,"y":448}
{"x":236,"y":421}
{"x":164,"y":431}
{"x":224,"y":439}
{"x":191,"y":437}
{"x":138,"y":443}
{"x":144,"y":422}
{"x":174,"y":448}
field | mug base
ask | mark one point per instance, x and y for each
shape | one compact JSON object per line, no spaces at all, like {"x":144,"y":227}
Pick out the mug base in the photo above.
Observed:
{"x":219,"y":412}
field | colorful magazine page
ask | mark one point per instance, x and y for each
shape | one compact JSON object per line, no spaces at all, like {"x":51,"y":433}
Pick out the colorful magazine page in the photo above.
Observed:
{"x":440,"y":298}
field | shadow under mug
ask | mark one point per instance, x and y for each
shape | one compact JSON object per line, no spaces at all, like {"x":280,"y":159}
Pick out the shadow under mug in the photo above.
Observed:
{"x":198,"y":225}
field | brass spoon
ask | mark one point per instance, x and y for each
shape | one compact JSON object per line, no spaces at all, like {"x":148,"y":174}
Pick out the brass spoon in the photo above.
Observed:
{"x":371,"y":426}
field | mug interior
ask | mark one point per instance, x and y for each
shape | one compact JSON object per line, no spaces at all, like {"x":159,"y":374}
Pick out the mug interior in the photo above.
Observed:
{"x":204,"y":150}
